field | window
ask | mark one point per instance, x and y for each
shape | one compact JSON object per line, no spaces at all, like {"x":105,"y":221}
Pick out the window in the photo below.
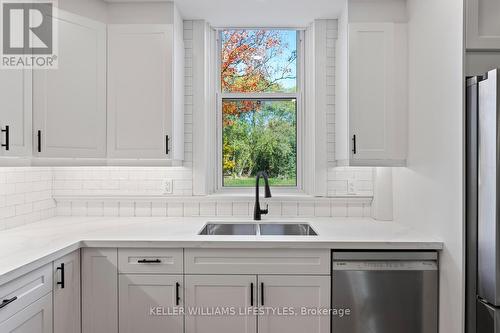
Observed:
{"x":259,"y":106}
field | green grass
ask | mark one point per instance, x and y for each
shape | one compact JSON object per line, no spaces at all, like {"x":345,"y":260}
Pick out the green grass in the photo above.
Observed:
{"x":250,"y":181}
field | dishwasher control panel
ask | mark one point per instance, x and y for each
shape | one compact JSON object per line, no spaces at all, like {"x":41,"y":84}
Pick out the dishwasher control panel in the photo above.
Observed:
{"x":384,"y":265}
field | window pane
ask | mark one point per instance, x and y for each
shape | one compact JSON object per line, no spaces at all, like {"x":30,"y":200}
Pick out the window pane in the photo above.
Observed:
{"x":259,"y":135}
{"x":259,"y":61}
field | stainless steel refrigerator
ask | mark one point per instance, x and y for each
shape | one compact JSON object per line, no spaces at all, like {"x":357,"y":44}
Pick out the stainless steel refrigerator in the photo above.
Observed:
{"x":483,"y":206}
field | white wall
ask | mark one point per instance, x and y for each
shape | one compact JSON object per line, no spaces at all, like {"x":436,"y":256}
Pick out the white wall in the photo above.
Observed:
{"x":377,"y":11}
{"x":428,"y":193}
{"x":94,"y":9}
{"x":141,"y":13}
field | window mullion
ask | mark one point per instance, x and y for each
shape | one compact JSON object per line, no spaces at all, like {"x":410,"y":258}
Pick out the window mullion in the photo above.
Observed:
{"x":259,"y":96}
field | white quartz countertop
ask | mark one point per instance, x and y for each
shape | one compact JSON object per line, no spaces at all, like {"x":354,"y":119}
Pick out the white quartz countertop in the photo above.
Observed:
{"x":25,"y":248}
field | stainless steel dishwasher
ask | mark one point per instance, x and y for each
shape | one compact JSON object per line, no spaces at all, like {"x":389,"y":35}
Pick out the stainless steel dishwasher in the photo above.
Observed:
{"x":384,"y":292}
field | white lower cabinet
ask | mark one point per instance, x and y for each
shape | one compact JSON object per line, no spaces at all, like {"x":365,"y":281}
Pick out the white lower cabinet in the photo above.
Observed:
{"x":147,"y":303}
{"x":205,"y":292}
{"x":35,"y":318}
{"x":99,"y":290}
{"x":67,"y":300}
{"x":297,"y":293}
{"x":129,"y":291}
{"x":276,"y":296}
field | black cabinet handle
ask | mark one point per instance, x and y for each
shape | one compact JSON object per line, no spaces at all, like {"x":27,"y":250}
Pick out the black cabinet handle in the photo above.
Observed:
{"x":7,"y":137}
{"x":262,"y":293}
{"x":251,"y":294}
{"x":354,"y":144}
{"x":61,"y":283}
{"x":149,"y":261}
{"x":167,"y":150}
{"x":6,"y":302}
{"x":39,"y":141}
{"x":177,"y":296}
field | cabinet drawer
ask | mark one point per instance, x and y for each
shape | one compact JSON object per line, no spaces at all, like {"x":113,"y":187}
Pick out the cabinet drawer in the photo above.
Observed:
{"x":168,"y":261}
{"x":25,"y":290}
{"x":35,"y":318}
{"x":257,"y":261}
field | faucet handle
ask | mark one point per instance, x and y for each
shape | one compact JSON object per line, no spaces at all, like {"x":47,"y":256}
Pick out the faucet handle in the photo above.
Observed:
{"x":265,"y":211}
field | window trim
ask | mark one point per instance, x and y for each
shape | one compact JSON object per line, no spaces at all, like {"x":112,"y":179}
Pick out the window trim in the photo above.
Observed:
{"x":298,"y":95}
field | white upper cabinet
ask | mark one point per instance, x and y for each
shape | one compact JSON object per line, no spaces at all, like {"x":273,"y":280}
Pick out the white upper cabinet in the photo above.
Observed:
{"x":69,"y":103}
{"x":372,"y":90}
{"x":483,"y":25}
{"x":15,"y":112}
{"x":145,"y":96}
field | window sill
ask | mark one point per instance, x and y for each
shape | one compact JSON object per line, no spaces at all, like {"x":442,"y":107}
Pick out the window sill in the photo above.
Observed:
{"x":282,"y":197}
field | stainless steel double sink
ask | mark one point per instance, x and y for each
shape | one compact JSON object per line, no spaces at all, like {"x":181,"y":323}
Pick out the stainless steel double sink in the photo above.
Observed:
{"x":254,"y":229}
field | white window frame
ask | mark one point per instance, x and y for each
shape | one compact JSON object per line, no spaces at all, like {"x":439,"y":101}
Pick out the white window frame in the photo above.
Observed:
{"x":298,"y":96}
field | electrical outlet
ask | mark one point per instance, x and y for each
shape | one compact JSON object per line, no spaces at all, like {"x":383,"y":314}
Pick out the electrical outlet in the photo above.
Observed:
{"x":167,"y":186}
{"x":351,"y":187}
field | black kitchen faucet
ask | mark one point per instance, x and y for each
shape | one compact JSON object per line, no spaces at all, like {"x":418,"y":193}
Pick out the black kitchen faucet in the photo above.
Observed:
{"x":257,"y":212}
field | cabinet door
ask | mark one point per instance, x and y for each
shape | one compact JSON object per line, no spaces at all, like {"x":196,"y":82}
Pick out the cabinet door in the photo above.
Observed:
{"x":67,"y":310}
{"x":483,"y":25}
{"x":147,"y":303}
{"x":377,"y":94}
{"x":99,"y":290}
{"x":15,"y":112}
{"x":139,"y":90}
{"x":35,"y":318}
{"x":222,"y":291}
{"x":69,"y":103}
{"x":297,"y":292}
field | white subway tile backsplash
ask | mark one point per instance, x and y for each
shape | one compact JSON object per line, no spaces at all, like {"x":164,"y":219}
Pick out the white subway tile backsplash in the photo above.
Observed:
{"x":79,"y":208}
{"x":322,"y":209}
{"x":95,"y":208}
{"x":289,"y":208}
{"x":367,"y":210}
{"x":175,"y":209}
{"x":25,"y":193}
{"x":159,"y":209}
{"x":126,"y":209}
{"x":306,"y":208}
{"x":143,"y":209}
{"x":111,"y":208}
{"x":191,"y":209}
{"x":339,"y":209}
{"x":208,"y":208}
{"x":64,"y":208}
{"x":355,"y":209}
{"x":240,"y":209}
{"x":24,"y":209}
{"x":224,"y":208}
